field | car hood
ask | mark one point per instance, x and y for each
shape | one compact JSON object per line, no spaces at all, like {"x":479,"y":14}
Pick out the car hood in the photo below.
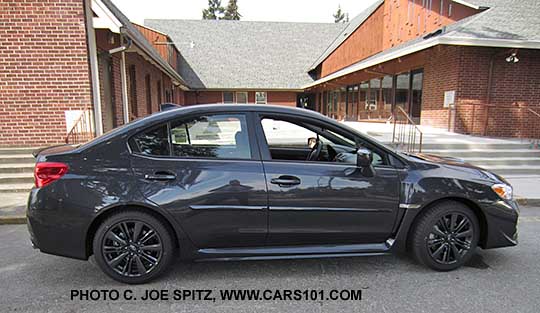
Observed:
{"x":458,"y":164}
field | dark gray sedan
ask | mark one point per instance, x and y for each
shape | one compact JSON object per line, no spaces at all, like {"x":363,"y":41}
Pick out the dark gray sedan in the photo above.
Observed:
{"x":242,"y":182}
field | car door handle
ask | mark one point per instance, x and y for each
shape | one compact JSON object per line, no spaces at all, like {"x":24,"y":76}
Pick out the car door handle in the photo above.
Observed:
{"x":286,"y":180}
{"x":161,"y":175}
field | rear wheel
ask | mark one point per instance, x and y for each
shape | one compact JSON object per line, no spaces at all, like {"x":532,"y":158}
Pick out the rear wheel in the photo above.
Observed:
{"x":445,"y":236}
{"x":133,"y":247}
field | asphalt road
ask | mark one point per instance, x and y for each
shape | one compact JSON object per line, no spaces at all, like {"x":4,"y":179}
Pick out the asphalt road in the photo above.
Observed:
{"x":500,"y":280}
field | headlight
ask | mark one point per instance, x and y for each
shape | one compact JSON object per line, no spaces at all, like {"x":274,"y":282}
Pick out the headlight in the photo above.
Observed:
{"x":504,"y":191}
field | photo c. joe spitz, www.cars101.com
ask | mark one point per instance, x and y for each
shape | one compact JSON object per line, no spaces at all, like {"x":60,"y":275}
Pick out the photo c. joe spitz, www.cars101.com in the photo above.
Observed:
{"x":237,"y":182}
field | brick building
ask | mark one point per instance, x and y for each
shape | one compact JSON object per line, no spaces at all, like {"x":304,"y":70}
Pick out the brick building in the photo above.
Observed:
{"x":70,"y":69}
{"x":469,"y":66}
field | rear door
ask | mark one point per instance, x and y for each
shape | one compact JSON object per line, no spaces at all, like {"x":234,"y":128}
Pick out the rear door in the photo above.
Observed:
{"x":323,"y":201}
{"x":206,"y":171}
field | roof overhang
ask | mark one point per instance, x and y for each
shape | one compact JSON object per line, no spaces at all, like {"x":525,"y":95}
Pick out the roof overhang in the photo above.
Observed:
{"x":105,"y":18}
{"x":467,"y":4}
{"x":428,"y":43}
{"x":109,"y":17}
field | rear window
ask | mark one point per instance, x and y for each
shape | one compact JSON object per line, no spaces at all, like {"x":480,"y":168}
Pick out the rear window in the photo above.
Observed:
{"x":221,"y":136}
{"x":152,"y":142}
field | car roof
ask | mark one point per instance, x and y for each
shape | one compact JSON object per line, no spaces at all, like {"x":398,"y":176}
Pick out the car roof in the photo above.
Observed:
{"x":202,"y":108}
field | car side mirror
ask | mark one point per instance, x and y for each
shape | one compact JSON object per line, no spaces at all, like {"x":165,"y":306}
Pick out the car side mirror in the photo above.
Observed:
{"x":364,"y":157}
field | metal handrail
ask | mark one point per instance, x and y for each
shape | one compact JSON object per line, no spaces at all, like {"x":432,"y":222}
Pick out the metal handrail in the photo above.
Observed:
{"x":406,"y":132}
{"x":535,"y":142}
{"x":82,"y":130}
{"x":484,"y":128}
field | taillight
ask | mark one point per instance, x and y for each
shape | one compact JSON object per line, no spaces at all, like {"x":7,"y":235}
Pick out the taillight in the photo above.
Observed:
{"x":47,"y":172}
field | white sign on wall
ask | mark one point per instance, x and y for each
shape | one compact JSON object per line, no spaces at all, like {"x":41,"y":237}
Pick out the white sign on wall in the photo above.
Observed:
{"x":449,"y":98}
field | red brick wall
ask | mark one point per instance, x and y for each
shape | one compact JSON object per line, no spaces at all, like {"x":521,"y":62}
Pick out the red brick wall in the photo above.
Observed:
{"x":441,"y":73}
{"x":466,"y":70}
{"x":513,"y":85}
{"x":43,"y":69}
{"x":143,"y":68}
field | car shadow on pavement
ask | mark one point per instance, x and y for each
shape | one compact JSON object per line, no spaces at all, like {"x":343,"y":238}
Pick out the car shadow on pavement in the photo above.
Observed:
{"x":188,"y":273}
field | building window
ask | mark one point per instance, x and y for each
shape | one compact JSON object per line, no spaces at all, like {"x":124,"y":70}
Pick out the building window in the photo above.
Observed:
{"x":159,"y":91}
{"x":228,"y":97}
{"x":260,"y":97}
{"x":148,"y":88}
{"x":449,"y":9}
{"x":241,"y":97}
{"x":133,"y":91}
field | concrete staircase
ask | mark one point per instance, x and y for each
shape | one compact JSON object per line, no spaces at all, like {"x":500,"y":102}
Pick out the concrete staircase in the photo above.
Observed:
{"x":506,"y":159}
{"x":16,"y":170}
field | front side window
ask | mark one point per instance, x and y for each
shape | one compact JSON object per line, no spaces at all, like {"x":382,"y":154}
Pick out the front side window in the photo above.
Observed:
{"x":260,"y":97}
{"x":214,"y":136}
{"x":294,"y":141}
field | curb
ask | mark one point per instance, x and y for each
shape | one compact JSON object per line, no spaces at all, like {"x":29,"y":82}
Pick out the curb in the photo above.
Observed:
{"x":12,"y":220}
{"x":528,"y":202}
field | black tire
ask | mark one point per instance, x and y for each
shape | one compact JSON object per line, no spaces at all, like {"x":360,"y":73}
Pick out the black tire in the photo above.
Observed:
{"x":445,"y":249}
{"x":140,"y":257}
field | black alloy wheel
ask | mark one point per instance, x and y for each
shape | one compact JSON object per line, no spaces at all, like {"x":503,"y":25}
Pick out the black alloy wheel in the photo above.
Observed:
{"x":133,"y":247}
{"x":450,"y":238}
{"x":445,"y":236}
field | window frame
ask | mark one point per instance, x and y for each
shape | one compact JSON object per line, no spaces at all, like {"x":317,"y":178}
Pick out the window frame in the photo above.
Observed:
{"x":223,"y":97}
{"x":241,"y":92}
{"x":299,"y":120}
{"x":265,"y":97}
{"x":252,"y":138}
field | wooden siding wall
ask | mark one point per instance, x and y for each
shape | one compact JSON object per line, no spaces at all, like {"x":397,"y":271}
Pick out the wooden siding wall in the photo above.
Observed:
{"x":393,"y":23}
{"x":158,"y":41}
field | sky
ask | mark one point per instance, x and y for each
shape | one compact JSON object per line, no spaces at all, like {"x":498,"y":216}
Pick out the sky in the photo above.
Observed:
{"x":317,"y":11}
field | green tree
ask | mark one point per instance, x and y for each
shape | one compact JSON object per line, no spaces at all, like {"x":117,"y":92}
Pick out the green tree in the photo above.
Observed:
{"x":231,"y":12}
{"x":340,"y":16}
{"x":214,"y":10}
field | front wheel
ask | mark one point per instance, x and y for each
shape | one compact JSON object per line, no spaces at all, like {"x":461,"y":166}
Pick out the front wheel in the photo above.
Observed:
{"x":133,"y":247}
{"x":445,"y":236}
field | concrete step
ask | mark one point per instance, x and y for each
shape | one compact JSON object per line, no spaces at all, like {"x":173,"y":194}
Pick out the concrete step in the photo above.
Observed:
{"x":11,"y":188}
{"x":510,"y":161}
{"x":512,"y":170}
{"x":15,"y":178}
{"x":463,"y":146}
{"x":16,"y":158}
{"x":488,"y":153}
{"x":17,"y":150}
{"x":7,"y":168}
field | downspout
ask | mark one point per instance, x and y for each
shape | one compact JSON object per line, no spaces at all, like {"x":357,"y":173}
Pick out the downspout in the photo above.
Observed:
{"x":489,"y":87}
{"x":123,"y":76}
{"x":94,"y":67}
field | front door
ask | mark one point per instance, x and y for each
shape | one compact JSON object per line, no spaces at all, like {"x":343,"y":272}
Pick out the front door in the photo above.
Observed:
{"x":206,"y":172}
{"x":325,"y":201}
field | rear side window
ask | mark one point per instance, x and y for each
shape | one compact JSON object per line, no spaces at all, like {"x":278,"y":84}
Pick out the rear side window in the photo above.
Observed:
{"x":223,"y":136}
{"x":152,"y":142}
